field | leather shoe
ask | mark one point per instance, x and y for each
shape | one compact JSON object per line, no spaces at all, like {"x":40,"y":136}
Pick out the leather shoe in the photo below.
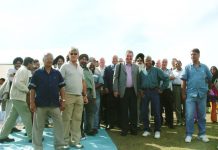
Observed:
{"x":133,"y":132}
{"x":122,"y":133}
{"x":6,"y":140}
{"x":15,"y":130}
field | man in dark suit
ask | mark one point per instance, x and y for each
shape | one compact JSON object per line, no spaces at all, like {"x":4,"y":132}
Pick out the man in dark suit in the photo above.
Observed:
{"x":112,"y":102}
{"x":125,"y":85}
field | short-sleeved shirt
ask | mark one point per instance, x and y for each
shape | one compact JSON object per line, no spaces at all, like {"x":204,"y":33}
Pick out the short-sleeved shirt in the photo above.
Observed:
{"x":73,"y":77}
{"x":197,"y":79}
{"x":47,"y":87}
{"x":98,"y":78}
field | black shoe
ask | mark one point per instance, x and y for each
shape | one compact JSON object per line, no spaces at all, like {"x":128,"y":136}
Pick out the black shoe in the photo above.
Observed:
{"x":133,"y":132}
{"x":25,"y":134}
{"x":30,"y":141}
{"x":95,"y":131}
{"x":122,"y":133}
{"x":48,"y":126}
{"x":15,"y":130}
{"x":171,"y":126}
{"x":6,"y":140}
{"x":90,"y":133}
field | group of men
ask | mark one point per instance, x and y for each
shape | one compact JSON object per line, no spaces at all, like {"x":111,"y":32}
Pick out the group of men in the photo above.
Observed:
{"x":133,"y":91}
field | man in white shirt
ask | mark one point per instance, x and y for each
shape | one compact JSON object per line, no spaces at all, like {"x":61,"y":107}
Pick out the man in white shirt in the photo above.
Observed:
{"x":177,"y":97}
{"x":19,"y":90}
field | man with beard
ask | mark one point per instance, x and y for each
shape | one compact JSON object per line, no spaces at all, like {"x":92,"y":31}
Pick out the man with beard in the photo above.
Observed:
{"x":91,"y":95}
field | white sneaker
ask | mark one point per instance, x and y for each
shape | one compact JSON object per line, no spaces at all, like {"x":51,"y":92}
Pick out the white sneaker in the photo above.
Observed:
{"x":157,"y":134}
{"x":146,"y":133}
{"x":203,"y":138}
{"x":188,"y":139}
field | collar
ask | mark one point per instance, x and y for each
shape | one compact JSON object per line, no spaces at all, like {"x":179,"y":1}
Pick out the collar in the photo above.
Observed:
{"x":192,"y":64}
{"x":43,"y":68}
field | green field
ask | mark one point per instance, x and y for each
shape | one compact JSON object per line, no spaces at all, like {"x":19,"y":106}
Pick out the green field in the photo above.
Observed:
{"x":171,"y":139}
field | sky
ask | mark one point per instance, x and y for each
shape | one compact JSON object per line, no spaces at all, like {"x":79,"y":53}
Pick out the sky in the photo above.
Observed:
{"x":102,"y":28}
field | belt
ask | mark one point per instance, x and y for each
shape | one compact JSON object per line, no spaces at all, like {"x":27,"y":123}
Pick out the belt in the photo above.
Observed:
{"x":149,"y":89}
{"x":129,"y":87}
{"x":176,"y":84}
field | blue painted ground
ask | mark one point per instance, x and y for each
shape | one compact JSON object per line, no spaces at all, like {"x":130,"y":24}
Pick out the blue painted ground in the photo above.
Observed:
{"x":101,"y":141}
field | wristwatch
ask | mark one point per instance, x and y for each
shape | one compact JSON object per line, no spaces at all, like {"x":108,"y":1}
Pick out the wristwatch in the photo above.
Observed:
{"x":84,"y":95}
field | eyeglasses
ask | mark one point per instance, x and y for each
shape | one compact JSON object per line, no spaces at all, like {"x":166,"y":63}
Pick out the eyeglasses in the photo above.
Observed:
{"x":73,"y":53}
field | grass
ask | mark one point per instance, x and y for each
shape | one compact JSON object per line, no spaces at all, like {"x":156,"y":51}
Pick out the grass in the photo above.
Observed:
{"x":171,"y":139}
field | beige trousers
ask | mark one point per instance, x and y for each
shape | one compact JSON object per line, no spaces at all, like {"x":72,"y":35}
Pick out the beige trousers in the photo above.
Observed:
{"x":72,"y":117}
{"x":18,"y":108}
{"x":39,"y":118}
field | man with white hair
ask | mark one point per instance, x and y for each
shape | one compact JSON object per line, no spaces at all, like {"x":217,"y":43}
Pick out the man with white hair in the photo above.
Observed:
{"x":76,"y":96}
{"x":46,"y":85}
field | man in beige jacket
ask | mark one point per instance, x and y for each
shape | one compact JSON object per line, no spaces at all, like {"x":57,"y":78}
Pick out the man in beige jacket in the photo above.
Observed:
{"x":19,"y":90}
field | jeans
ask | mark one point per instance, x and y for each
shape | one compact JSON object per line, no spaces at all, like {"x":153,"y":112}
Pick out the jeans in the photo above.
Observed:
{"x":153,"y":96}
{"x":195,"y":104}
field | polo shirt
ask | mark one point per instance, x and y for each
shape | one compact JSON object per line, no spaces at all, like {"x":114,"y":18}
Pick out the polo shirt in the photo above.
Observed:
{"x":47,"y":87}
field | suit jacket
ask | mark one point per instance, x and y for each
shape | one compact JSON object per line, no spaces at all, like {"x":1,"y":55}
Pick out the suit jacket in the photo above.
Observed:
{"x":119,"y":85}
{"x":108,"y":77}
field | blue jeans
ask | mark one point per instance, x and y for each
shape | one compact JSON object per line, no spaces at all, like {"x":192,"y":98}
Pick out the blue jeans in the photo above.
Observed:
{"x":195,"y":104}
{"x":96,"y":110}
{"x":153,"y":96}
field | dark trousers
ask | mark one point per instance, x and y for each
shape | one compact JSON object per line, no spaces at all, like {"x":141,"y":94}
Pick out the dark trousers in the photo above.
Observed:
{"x":167,"y":102}
{"x":153,"y":96}
{"x":103,"y":108}
{"x":113,"y":110}
{"x":128,"y":105}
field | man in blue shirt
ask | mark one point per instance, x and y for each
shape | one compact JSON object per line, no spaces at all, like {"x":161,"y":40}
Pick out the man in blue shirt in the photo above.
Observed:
{"x":195,"y":80}
{"x":46,"y":85}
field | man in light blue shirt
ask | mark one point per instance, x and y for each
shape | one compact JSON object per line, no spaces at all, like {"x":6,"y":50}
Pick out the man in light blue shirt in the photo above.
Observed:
{"x":195,"y":80}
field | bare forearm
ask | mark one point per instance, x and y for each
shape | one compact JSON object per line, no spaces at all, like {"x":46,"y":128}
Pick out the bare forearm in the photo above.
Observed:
{"x":84,"y":92}
{"x":62,"y":93}
{"x":32,"y":96}
{"x":183,"y":86}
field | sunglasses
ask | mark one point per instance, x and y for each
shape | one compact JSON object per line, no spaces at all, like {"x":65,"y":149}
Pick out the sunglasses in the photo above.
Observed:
{"x":73,"y":53}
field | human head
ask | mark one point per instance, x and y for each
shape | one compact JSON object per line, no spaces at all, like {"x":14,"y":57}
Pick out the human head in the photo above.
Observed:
{"x":73,"y":54}
{"x":213,"y":70}
{"x":28,"y":62}
{"x":178,"y":64}
{"x":17,"y":62}
{"x":2,"y":80}
{"x":120,"y":60}
{"x":173,"y":63}
{"x":91,"y":66}
{"x":115,"y":59}
{"x":195,"y":55}
{"x":83,"y":60}
{"x":158,"y":63}
{"x":164,"y":63}
{"x":102,"y":62}
{"x":59,"y":60}
{"x":148,"y":62}
{"x":48,"y":60}
{"x":139,"y":59}
{"x":36,"y":64}
{"x":129,"y":56}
